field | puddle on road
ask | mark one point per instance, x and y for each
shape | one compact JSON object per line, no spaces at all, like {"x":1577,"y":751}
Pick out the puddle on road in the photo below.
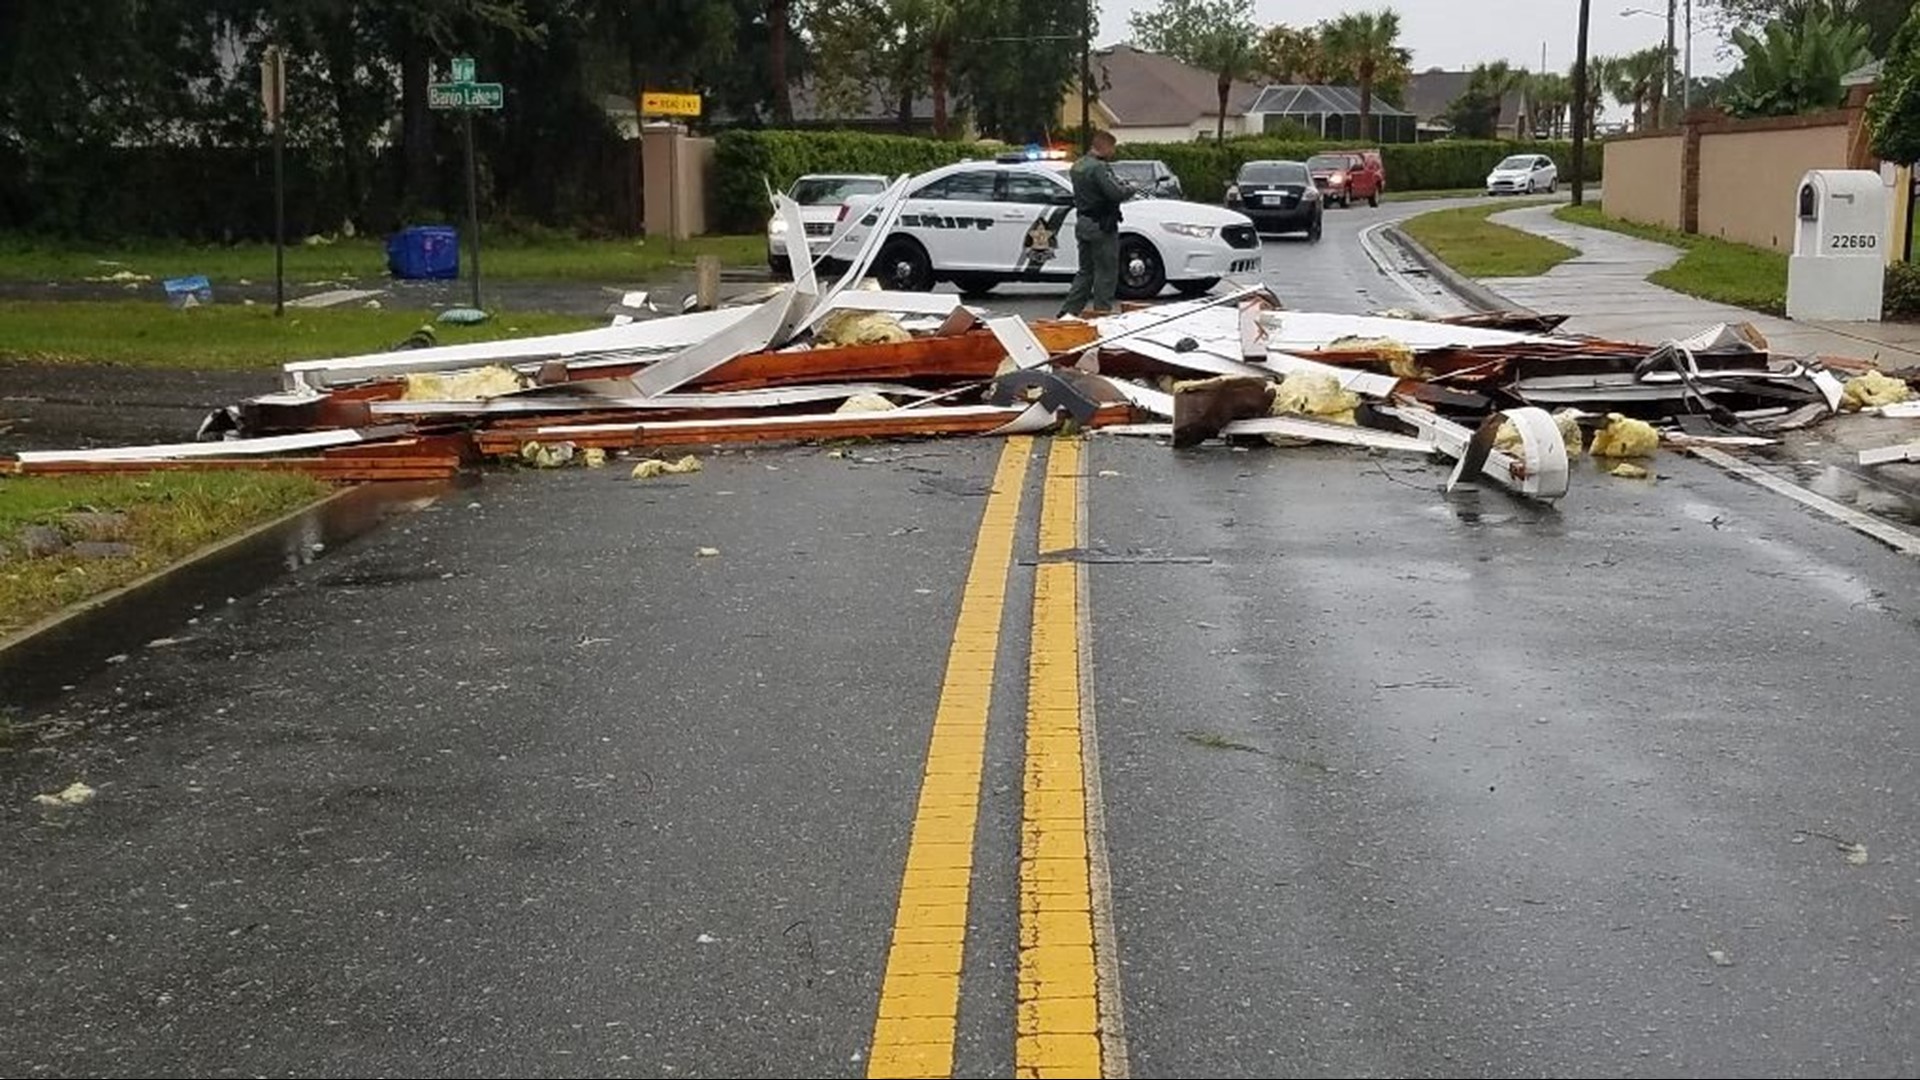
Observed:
{"x":1882,"y":496}
{"x":34,"y":671}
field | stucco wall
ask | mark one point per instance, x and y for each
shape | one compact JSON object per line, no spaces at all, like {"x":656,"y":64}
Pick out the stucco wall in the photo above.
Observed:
{"x":1643,"y":179}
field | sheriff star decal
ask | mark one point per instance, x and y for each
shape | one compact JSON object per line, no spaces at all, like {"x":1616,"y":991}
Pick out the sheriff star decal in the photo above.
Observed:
{"x":1040,"y":242}
{"x":1043,"y":241}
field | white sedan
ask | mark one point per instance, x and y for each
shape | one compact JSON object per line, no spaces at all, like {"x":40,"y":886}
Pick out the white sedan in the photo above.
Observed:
{"x":981,"y":224}
{"x":820,"y":197}
{"x":1524,"y":174}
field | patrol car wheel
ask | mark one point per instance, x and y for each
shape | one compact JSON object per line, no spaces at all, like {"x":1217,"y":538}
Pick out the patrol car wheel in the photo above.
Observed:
{"x":903,"y":266}
{"x":1142,"y":275}
{"x":974,"y":285}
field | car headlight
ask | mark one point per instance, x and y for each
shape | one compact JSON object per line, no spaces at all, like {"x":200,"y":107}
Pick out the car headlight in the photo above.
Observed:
{"x":777,"y":227}
{"x":1198,"y":232}
{"x":1338,"y":179}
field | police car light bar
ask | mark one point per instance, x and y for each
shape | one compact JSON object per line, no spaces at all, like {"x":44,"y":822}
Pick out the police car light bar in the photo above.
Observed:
{"x":1032,"y":153}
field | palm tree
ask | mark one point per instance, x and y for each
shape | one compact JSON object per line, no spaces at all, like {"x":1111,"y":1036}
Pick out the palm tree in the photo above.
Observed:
{"x":779,"y":25}
{"x":1230,"y":53}
{"x":1551,"y":96}
{"x":941,"y":20}
{"x":1365,"y":42}
{"x":1640,"y":81}
{"x":1602,"y":75}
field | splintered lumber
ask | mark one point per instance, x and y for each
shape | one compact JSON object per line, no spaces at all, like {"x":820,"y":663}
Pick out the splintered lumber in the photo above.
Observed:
{"x":898,"y":423}
{"x":974,"y":355}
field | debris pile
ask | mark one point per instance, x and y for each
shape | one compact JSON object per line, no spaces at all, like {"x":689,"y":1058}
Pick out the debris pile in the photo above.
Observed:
{"x":826,"y":361}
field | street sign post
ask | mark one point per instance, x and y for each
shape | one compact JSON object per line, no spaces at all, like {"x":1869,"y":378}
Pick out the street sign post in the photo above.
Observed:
{"x":273,"y":97}
{"x":465,"y":95}
{"x":655,"y":103}
{"x":665,"y":103}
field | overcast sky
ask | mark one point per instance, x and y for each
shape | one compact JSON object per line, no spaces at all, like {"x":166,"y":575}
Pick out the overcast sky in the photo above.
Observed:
{"x":1461,"y":33}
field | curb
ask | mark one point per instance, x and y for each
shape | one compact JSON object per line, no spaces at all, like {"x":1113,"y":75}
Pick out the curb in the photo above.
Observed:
{"x":1466,"y":289}
{"x":92,"y":604}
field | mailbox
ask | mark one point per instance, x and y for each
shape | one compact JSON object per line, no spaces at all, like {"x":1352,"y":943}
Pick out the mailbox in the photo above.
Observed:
{"x":1838,"y":267}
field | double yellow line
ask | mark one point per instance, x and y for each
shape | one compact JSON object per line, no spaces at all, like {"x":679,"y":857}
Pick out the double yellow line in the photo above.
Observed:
{"x":1060,"y":1016}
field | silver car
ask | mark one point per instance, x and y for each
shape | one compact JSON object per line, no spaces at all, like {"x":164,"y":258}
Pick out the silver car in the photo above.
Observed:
{"x":1524,"y":174}
{"x":820,"y":197}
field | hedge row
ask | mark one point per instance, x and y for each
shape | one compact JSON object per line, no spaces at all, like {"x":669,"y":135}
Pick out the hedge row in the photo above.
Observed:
{"x":745,"y":161}
{"x":1205,"y":168}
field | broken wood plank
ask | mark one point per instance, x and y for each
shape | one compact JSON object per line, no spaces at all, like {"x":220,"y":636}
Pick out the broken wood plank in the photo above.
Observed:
{"x":898,"y":423}
{"x":976,"y":354}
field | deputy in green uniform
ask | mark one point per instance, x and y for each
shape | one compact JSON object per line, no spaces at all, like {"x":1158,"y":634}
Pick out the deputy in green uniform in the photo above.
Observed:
{"x":1097,"y":195}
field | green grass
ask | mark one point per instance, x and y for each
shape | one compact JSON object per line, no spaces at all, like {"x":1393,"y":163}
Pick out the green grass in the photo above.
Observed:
{"x":1710,"y":268}
{"x":169,"y":515}
{"x":1423,"y":196}
{"x":1465,"y":240}
{"x":365,"y":258}
{"x":229,"y":336}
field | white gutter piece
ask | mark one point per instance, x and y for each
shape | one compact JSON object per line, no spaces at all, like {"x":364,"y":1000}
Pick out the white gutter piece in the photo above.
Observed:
{"x":1298,"y":427}
{"x":886,"y":210}
{"x":766,"y":326}
{"x":274,"y":444}
{"x":1540,"y":472}
{"x":939,"y":305}
{"x":1884,"y":455}
{"x":630,"y":341}
{"x":771,"y":398}
{"x":824,"y":419}
{"x":1292,"y":427}
{"x":1306,"y":331}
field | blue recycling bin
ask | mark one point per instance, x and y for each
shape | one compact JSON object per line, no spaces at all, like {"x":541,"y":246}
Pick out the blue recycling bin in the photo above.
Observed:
{"x":424,"y":252}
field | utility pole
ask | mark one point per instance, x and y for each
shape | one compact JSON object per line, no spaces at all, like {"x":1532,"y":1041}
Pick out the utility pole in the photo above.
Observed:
{"x":1580,"y":112}
{"x":1086,"y":76}
{"x":1666,"y":64}
{"x":1686,"y":75}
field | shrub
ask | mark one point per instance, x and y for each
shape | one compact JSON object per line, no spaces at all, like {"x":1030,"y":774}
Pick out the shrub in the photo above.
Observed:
{"x":1902,"y":299}
{"x":745,"y":162}
{"x":1205,"y":168}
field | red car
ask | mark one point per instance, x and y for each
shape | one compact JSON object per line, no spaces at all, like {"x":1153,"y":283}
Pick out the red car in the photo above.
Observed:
{"x":1345,"y":175}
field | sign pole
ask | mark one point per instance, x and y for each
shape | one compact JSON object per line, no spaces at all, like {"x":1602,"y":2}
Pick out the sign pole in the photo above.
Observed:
{"x":273,"y":92}
{"x":279,"y":220}
{"x":473,"y":206}
{"x":466,"y":95}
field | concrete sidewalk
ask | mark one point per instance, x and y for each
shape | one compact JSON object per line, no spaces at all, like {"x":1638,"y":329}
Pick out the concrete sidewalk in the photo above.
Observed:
{"x":1605,"y":289}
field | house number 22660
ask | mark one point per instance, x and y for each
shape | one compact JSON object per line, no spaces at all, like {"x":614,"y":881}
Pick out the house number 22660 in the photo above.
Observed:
{"x":1855,"y":241}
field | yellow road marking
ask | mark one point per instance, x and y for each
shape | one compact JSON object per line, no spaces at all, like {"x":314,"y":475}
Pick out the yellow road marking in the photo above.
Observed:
{"x":1058,"y":1029}
{"x":920,"y":999}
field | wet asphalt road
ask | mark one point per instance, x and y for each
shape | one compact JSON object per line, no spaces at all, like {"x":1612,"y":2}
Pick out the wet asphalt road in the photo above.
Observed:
{"x":1391,"y":785}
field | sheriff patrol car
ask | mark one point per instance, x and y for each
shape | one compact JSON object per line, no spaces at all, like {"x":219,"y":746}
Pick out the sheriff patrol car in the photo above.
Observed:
{"x":981,"y":224}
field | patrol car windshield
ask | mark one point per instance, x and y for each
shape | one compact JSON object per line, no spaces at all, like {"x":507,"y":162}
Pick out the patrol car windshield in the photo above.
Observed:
{"x":1518,"y":161}
{"x":1329,"y":162}
{"x":1273,"y":172}
{"x":826,"y":190}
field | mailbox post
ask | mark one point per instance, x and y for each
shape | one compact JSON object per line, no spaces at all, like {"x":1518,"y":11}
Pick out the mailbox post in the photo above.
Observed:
{"x":1838,"y":267}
